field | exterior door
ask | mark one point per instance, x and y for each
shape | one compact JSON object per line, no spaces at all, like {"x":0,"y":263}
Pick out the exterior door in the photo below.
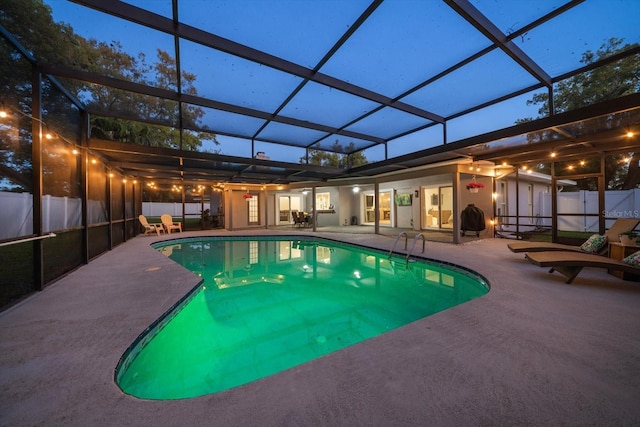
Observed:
{"x":286,"y":204}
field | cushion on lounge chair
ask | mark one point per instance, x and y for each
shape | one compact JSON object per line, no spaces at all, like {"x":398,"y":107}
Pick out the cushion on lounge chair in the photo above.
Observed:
{"x":633,"y":259}
{"x":594,"y":244}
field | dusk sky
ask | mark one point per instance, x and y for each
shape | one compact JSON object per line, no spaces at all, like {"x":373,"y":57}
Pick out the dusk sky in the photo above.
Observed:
{"x":401,"y":45}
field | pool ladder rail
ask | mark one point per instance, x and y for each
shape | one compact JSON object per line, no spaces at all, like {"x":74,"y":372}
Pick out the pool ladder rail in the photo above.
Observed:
{"x":406,"y":237}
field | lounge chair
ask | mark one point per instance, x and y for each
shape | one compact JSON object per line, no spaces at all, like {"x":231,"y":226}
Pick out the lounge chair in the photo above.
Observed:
{"x":619,"y":226}
{"x":169,"y":225}
{"x":571,"y":263}
{"x":150,"y":228}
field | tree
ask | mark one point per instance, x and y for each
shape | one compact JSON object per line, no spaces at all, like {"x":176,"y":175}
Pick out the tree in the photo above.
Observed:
{"x":163,"y":74}
{"x":338,"y":157}
{"x":603,"y":83}
{"x":32,"y":25}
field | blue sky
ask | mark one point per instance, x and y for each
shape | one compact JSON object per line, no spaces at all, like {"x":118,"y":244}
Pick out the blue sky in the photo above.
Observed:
{"x":403,"y":43}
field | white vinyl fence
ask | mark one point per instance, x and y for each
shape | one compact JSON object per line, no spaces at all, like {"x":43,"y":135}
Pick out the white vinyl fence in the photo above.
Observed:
{"x":173,"y":209}
{"x":619,"y":204}
{"x":61,"y":213}
{"x":16,"y":214}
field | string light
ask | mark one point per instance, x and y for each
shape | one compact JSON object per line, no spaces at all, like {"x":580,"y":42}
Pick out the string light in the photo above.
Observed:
{"x":48,"y":134}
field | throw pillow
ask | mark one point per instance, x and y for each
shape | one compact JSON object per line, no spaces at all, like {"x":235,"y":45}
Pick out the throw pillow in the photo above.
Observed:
{"x":594,"y":244}
{"x":633,"y":259}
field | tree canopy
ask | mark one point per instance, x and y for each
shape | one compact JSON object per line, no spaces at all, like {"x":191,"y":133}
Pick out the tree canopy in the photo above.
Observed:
{"x":603,"y":83}
{"x":32,"y":24}
{"x":339,"y":157}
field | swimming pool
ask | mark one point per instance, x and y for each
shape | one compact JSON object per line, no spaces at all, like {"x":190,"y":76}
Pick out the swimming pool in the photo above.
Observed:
{"x":268,"y":304}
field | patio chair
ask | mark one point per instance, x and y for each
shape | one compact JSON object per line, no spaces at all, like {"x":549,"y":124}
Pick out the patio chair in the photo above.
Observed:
{"x":569,"y":264}
{"x":169,"y":225}
{"x":298,"y":218}
{"x":612,"y":234}
{"x":308,"y":219}
{"x":150,"y":228}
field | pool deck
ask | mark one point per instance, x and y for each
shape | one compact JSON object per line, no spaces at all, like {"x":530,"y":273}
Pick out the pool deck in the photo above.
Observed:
{"x":534,"y":351}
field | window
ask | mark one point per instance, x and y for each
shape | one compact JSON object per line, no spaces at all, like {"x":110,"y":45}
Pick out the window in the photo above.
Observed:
{"x":369,"y":214}
{"x":323,"y":201}
{"x":252,"y":205}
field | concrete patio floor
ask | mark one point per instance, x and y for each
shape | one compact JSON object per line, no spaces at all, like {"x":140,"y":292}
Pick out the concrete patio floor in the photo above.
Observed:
{"x":534,"y":351}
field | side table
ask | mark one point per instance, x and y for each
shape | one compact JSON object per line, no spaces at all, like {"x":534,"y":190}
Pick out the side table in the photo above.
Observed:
{"x":619,"y":252}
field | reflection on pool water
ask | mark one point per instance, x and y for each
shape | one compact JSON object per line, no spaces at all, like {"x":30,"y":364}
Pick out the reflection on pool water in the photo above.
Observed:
{"x":268,"y":304}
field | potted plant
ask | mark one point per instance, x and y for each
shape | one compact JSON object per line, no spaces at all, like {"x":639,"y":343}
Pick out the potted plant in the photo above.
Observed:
{"x":474,"y":186}
{"x":628,"y":238}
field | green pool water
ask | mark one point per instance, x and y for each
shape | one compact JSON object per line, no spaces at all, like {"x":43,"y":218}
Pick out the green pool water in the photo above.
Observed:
{"x":268,"y":304}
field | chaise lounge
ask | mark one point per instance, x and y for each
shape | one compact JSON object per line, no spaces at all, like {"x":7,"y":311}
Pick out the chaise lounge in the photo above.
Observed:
{"x":621,"y":225}
{"x":570,"y":263}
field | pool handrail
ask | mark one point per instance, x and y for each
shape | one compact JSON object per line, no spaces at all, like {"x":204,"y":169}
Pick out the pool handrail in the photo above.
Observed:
{"x":415,"y":240}
{"x":396,"y":242}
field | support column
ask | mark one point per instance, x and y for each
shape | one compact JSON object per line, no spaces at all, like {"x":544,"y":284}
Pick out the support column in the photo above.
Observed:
{"x":36,"y":159}
{"x":84,"y":184}
{"x":376,"y":208}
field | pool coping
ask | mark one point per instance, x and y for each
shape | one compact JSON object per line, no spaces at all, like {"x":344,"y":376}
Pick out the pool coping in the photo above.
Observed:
{"x":532,"y":351}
